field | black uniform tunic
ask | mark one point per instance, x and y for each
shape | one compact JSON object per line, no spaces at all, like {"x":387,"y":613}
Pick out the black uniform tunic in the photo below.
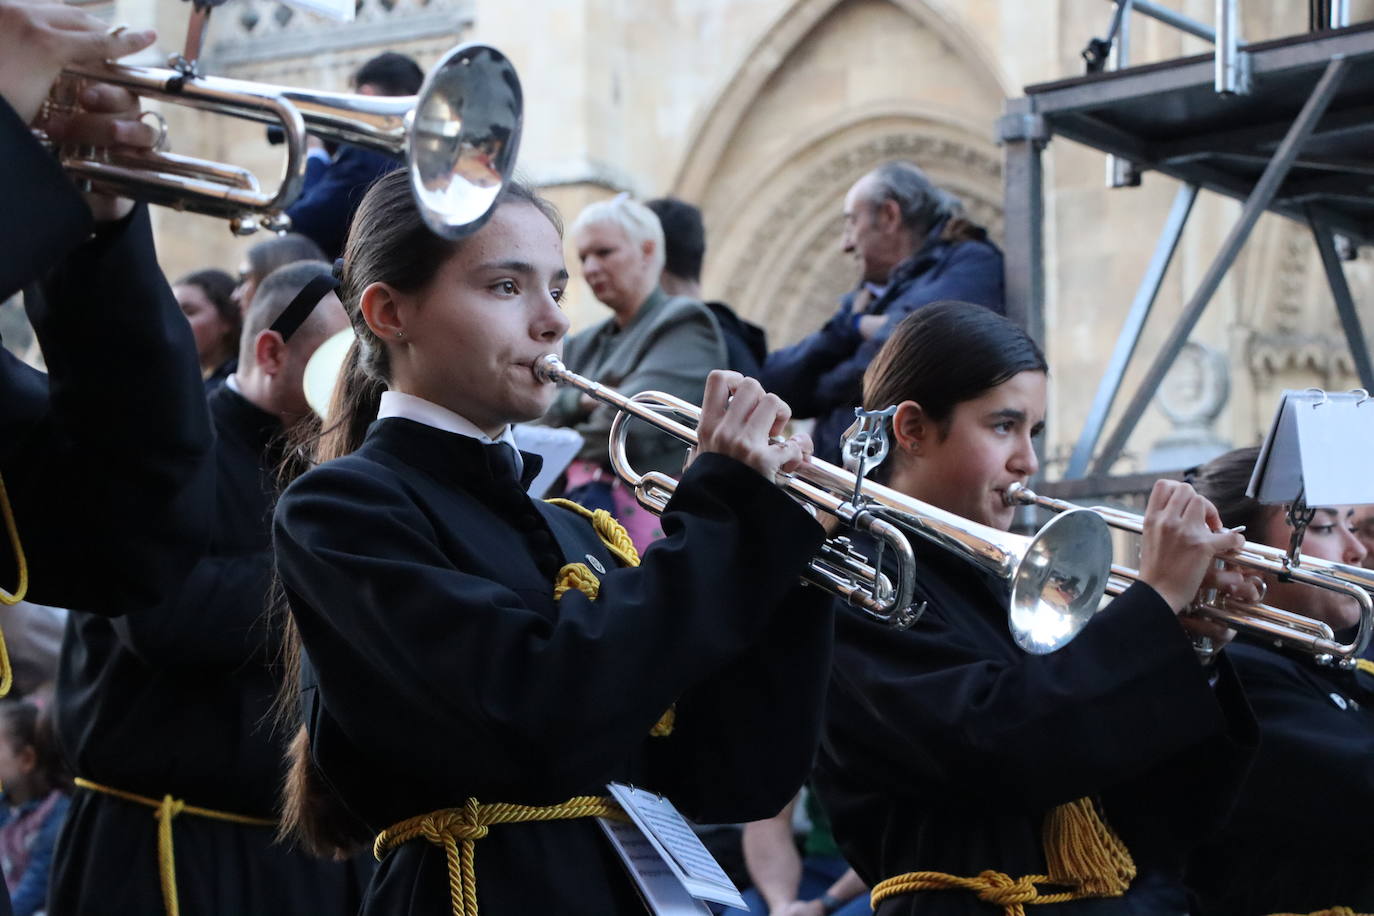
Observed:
{"x":175,"y":699}
{"x":1301,"y":837}
{"x":104,"y":458}
{"x":441,"y":668}
{"x":945,"y":745}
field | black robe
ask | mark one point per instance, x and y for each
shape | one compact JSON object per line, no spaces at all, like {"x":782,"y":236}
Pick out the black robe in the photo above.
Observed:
{"x":104,"y":458}
{"x":175,"y":699}
{"x":1300,"y":838}
{"x":945,"y":745}
{"x":441,"y":668}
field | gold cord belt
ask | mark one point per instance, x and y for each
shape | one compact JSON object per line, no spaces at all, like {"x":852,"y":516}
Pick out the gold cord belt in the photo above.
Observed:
{"x":166,"y":810}
{"x":1084,"y":857}
{"x":457,"y":830}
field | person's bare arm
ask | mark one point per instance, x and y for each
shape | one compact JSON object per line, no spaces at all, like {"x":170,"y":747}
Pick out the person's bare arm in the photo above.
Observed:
{"x":772,"y":858}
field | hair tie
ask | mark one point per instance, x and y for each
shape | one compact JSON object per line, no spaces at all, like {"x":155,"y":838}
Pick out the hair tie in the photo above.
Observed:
{"x":338,"y":269}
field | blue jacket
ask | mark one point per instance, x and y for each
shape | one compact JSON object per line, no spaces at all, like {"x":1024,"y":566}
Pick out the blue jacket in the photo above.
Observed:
{"x":332,"y":192}
{"x":822,"y":375}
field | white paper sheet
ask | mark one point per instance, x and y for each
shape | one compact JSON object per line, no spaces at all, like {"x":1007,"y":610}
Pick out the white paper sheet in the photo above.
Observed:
{"x":558,"y":447}
{"x":1319,"y":445}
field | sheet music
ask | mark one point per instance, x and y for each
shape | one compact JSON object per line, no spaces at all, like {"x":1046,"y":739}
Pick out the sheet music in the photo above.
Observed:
{"x":663,"y":894}
{"x":1319,"y":445}
{"x":678,"y":845}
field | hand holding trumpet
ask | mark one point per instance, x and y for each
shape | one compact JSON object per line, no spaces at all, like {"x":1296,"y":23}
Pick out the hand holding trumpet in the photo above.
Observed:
{"x":741,"y":420}
{"x":37,"y":40}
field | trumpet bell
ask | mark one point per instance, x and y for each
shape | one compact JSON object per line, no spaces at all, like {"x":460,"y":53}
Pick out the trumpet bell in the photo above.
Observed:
{"x":463,"y":138}
{"x":1060,"y":581}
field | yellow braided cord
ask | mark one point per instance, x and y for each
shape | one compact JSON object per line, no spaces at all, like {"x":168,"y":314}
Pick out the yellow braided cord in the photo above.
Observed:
{"x":1084,"y":856}
{"x":21,"y":564}
{"x":611,"y":532}
{"x":991,"y":887}
{"x":166,"y":810}
{"x":1084,"y":852}
{"x":456,"y":831}
{"x":578,"y":576}
{"x":1333,"y":911}
{"x":664,"y":726}
{"x":1367,"y":667}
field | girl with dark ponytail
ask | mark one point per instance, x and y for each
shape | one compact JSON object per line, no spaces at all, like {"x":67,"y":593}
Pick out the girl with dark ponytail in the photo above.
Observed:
{"x":474,"y":666}
{"x":960,"y":771}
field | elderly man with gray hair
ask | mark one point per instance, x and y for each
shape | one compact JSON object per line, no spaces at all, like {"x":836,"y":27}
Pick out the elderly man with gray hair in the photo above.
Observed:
{"x":914,"y":248}
{"x":651,"y":341}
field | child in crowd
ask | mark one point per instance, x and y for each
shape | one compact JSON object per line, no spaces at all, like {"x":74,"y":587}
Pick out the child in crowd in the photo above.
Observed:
{"x":34,"y":802}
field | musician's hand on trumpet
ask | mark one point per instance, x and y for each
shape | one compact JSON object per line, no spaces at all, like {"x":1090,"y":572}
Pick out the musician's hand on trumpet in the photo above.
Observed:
{"x":37,"y":40}
{"x":741,"y":420}
{"x":108,"y":117}
{"x":1182,"y":535}
{"x":1182,"y":538}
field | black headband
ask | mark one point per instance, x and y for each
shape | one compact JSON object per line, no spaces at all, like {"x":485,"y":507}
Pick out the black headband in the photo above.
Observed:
{"x":299,"y":309}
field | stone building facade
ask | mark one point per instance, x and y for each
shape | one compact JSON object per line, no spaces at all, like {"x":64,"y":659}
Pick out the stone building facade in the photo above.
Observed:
{"x":763,"y":112}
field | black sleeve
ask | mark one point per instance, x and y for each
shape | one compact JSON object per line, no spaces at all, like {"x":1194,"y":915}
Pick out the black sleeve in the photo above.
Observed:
{"x":113,"y":488}
{"x":930,"y":710}
{"x":745,"y":740}
{"x":217,"y":619}
{"x":43,"y":217}
{"x":390,"y":622}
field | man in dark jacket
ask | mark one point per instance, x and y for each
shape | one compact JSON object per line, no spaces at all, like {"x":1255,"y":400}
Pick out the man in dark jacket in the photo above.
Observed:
{"x":335,"y":185}
{"x":684,"y":248}
{"x":914,"y":248}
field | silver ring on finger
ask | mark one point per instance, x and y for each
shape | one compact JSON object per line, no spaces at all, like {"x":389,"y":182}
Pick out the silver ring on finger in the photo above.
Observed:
{"x":160,"y":143}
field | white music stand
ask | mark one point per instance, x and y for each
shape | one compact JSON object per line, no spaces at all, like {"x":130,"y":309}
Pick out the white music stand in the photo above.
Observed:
{"x":1317,"y":453}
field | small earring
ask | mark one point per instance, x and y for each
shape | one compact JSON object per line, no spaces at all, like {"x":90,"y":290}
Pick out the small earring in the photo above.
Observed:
{"x":400,"y":334}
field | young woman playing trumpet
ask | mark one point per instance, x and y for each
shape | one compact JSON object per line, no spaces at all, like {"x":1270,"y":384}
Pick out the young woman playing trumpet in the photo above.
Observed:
{"x":477,"y":666}
{"x":965,"y":776}
{"x":1298,"y":838}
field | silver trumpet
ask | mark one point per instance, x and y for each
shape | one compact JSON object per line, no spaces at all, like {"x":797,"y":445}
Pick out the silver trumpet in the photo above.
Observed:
{"x":459,"y":137}
{"x":1056,"y":576}
{"x":1264,"y":621}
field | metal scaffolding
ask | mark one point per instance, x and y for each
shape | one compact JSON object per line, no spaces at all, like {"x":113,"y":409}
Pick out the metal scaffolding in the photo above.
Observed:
{"x":1285,"y":126}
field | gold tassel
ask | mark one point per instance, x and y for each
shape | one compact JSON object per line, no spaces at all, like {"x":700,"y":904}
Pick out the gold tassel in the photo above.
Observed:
{"x":1082,"y":851}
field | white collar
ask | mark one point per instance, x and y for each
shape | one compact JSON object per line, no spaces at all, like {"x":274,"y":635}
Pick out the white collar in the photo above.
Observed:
{"x":409,"y":407}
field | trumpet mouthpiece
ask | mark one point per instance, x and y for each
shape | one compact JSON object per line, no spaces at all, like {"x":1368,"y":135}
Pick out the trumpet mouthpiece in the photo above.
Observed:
{"x":1018,"y":494}
{"x":547,"y":367}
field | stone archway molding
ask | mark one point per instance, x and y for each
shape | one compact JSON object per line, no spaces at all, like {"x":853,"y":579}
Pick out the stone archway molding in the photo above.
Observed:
{"x":722,"y":117}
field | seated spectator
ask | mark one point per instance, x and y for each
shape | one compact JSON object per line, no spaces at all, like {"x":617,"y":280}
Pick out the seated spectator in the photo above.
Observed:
{"x":684,"y":248}
{"x":652,"y":341}
{"x":206,"y":298}
{"x":813,"y":880}
{"x":914,"y":247}
{"x":265,"y":257}
{"x":34,"y":803}
{"x":335,"y":183}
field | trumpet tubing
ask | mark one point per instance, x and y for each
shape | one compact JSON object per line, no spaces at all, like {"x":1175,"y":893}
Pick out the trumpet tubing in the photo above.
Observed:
{"x":1262,"y":620}
{"x":459,"y":136}
{"x":1055,"y":576}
